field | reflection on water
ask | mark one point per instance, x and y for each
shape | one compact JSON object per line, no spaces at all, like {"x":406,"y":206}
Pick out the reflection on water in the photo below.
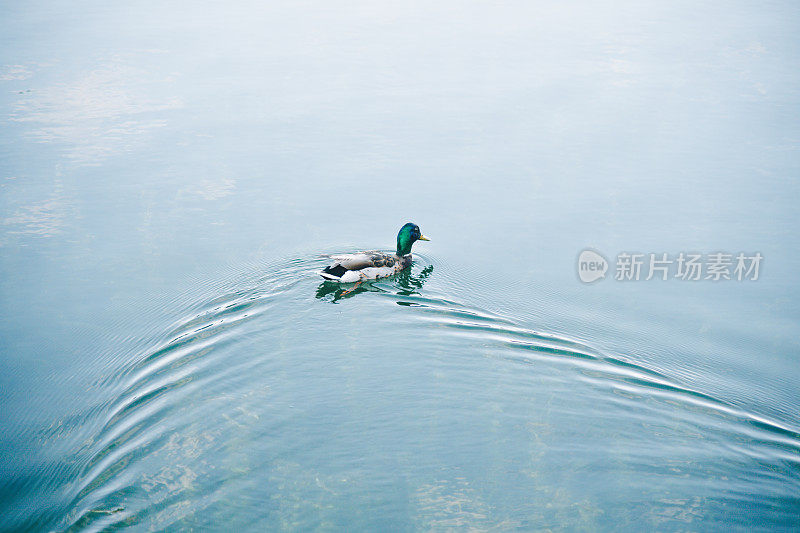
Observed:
{"x":97,"y":114}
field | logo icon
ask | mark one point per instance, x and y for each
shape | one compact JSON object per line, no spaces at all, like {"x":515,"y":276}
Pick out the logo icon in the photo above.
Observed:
{"x":591,"y":266}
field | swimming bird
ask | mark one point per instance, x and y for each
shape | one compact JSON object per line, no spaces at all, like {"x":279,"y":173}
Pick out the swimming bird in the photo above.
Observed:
{"x":349,"y":268}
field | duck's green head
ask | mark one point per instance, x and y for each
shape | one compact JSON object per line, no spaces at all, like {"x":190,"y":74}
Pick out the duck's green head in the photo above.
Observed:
{"x":407,"y":236}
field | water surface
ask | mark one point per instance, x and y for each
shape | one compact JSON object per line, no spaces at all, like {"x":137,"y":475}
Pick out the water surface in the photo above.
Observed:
{"x":171,"y":175}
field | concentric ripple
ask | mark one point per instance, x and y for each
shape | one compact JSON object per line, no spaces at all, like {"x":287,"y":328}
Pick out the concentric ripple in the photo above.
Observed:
{"x":215,"y":408}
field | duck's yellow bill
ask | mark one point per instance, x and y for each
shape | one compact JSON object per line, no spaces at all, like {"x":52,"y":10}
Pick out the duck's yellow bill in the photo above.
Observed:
{"x":423,"y":238}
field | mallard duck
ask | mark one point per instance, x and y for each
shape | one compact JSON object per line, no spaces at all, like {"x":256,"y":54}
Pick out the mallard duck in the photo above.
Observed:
{"x":349,"y":268}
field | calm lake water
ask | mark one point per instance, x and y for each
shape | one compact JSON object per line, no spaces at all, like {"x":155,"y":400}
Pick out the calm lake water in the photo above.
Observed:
{"x":170,"y":176}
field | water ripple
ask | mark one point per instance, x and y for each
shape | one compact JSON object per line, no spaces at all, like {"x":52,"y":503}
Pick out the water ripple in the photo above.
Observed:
{"x":197,"y":356}
{"x":605,"y":369}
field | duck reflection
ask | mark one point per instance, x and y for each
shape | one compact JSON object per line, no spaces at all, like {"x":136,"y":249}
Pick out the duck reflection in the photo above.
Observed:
{"x":404,"y":283}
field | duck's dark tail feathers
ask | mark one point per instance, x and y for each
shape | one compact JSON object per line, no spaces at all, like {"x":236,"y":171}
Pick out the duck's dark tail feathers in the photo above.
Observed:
{"x":333,"y":272}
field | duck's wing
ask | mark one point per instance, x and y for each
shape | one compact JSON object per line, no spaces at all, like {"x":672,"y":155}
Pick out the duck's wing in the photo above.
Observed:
{"x":362,"y":260}
{"x":353,"y":261}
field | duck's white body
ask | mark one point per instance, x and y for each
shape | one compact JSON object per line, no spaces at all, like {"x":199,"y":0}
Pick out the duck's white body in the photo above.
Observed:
{"x":351,"y":268}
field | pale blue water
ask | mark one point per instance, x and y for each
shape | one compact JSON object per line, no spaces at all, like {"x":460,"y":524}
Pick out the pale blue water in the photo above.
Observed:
{"x":171,"y":174}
